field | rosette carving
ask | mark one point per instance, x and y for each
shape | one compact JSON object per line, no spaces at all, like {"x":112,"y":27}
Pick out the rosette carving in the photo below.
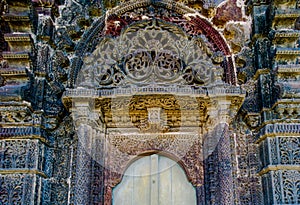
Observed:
{"x":148,"y":56}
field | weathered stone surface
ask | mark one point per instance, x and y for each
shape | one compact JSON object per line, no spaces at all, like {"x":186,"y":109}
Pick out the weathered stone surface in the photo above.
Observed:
{"x":230,"y":10}
{"x":88,"y":87}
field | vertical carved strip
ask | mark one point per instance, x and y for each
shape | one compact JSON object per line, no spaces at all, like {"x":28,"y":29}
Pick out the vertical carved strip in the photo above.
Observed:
{"x":276,"y":182}
{"x":225,"y":169}
{"x":83,"y":168}
{"x":97,"y":184}
{"x":200,"y":195}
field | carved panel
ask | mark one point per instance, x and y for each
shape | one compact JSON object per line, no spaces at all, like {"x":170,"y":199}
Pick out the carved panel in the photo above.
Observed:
{"x":276,"y":177}
{"x":247,"y":165}
{"x":289,"y":150}
{"x":14,"y":189}
{"x":22,"y":154}
{"x":15,"y":115}
{"x":285,"y":187}
{"x":281,"y":150}
{"x":11,"y":189}
{"x":184,"y":148}
{"x":291,"y":187}
{"x":132,"y":12}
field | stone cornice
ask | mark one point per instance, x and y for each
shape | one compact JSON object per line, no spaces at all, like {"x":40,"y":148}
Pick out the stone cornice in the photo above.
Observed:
{"x":279,"y":167}
{"x":278,"y":129}
{"x":13,"y":72}
{"x":15,"y":104}
{"x":218,"y":90}
{"x":286,"y":101}
{"x":15,"y":55}
{"x":282,"y":69}
{"x":287,"y":34}
{"x":287,"y":51}
{"x":9,"y":17}
{"x":146,"y":136}
{"x":287,"y":13}
{"x":19,"y":131}
{"x":17,"y":37}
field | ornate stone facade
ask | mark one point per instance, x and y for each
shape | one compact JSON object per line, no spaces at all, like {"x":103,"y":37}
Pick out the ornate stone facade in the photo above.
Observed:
{"x":89,"y":86}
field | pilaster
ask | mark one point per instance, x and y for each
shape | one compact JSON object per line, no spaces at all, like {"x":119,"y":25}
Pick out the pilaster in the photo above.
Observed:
{"x":277,"y":136}
{"x":22,"y":143}
{"x":90,"y":151}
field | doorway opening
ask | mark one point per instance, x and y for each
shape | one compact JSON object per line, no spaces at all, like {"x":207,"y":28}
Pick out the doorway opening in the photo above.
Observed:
{"x":154,"y":180}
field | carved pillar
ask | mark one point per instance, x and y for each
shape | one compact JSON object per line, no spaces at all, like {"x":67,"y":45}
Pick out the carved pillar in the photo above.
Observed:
{"x":225,"y":181}
{"x":280,"y":161}
{"x":83,"y":166}
{"x":98,"y":166}
{"x":87,"y":127}
{"x":219,"y":182}
{"x":276,"y":61}
{"x":218,"y":166}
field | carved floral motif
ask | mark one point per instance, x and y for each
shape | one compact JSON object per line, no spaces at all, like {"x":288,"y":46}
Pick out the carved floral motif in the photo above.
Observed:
{"x":184,"y":147}
{"x":148,"y":56}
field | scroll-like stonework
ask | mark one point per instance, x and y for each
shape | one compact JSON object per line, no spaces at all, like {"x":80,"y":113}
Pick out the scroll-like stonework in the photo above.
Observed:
{"x":147,"y":56}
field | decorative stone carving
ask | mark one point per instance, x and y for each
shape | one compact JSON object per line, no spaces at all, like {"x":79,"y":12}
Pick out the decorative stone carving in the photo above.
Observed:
{"x":154,"y":70}
{"x":248,"y":163}
{"x":286,"y":186}
{"x":63,"y":40}
{"x":251,"y":103}
{"x":291,"y":182}
{"x":262,"y":49}
{"x":148,"y":56}
{"x":183,"y":147}
{"x":45,"y":26}
{"x":43,"y":58}
{"x":195,"y":27}
{"x":11,"y":189}
{"x":253,"y":120}
{"x":22,"y":116}
{"x":236,"y":35}
{"x":230,"y":10}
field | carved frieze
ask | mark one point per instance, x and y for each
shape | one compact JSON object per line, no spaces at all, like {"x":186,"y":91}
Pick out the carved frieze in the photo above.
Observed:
{"x":284,"y":151}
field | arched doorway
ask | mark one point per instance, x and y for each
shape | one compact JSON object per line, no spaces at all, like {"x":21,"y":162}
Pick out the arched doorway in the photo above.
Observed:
{"x":153,"y":85}
{"x":154,"y":180}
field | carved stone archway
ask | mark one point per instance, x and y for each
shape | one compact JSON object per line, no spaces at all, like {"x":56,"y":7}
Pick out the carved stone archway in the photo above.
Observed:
{"x":149,"y":86}
{"x":132,"y":12}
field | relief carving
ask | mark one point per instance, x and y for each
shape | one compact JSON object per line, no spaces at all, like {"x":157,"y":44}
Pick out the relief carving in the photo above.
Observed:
{"x":153,"y":56}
